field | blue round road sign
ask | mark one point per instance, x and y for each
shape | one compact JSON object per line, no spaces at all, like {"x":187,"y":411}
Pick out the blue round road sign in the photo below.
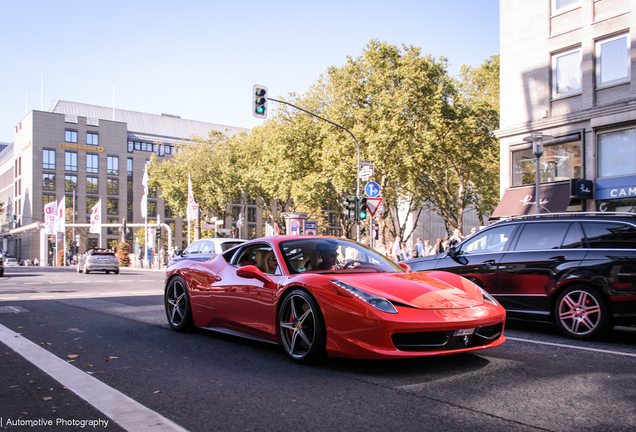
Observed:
{"x":372,"y":189}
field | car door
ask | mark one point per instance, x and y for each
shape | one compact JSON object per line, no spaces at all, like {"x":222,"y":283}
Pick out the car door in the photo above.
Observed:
{"x":246,"y":304}
{"x":543,"y":254}
{"x":477,"y":257}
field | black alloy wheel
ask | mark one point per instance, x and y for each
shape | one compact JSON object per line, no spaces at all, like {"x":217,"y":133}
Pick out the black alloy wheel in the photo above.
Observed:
{"x":301,"y":327}
{"x":177,"y":304}
{"x":581,"y":313}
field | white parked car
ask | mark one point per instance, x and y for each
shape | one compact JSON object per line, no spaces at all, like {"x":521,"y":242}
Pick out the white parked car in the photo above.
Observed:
{"x":11,"y":262}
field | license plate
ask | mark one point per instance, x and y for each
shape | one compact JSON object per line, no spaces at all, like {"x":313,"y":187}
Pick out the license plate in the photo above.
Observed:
{"x":103,"y":259}
{"x":464,"y":332}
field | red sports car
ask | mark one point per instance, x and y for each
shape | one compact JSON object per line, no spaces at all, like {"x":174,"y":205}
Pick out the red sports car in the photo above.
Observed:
{"x":316,"y":295}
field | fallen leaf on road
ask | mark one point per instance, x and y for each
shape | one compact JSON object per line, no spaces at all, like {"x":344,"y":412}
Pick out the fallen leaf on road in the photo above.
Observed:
{"x":112,"y":357}
{"x":158,"y":391}
{"x":45,"y":343}
{"x":72,"y":356}
{"x":47,"y":398}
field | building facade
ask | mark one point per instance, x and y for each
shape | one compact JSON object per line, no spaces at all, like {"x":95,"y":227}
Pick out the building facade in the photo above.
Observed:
{"x":566,"y":72}
{"x":86,"y":153}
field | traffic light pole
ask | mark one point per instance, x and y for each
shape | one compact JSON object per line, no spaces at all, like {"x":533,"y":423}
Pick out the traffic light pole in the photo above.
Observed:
{"x":357,"y":147}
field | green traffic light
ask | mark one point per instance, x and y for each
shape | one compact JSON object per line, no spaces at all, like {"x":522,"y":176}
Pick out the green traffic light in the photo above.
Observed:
{"x":260,"y":109}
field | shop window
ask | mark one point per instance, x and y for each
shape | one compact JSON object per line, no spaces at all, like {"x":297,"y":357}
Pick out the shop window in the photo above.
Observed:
{"x":558,"y":162}
{"x":616,"y":153}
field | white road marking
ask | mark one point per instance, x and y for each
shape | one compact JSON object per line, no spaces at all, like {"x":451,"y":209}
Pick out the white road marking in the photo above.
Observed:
{"x":9,"y":298}
{"x":123,"y":410}
{"x":42,"y":296}
{"x":571,"y":346}
{"x":57,"y":282}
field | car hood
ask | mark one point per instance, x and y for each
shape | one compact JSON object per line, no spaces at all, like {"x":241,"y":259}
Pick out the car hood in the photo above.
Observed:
{"x":425,"y":290}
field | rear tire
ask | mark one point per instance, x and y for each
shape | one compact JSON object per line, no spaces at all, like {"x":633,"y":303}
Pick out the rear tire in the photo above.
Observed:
{"x":86,"y":270}
{"x":580,"y":312}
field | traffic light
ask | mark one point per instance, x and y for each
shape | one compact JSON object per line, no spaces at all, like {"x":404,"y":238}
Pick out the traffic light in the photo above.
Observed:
{"x":125,"y":226}
{"x":350,"y":208}
{"x":362,"y":208}
{"x":260,"y":101}
{"x":15,"y":218}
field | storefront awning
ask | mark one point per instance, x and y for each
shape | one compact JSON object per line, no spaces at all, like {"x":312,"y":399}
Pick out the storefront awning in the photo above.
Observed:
{"x":555,"y":198}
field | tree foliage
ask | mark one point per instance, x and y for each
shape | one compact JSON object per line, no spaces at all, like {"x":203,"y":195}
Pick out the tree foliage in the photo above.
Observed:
{"x":429,"y":135}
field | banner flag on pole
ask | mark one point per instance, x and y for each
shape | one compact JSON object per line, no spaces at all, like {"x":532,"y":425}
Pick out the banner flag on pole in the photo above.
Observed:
{"x":96,"y":218}
{"x":269,"y":230}
{"x":193,"y":208}
{"x":144,"y":197}
{"x":50,"y":213}
{"x":276,"y":230}
{"x":60,"y":219}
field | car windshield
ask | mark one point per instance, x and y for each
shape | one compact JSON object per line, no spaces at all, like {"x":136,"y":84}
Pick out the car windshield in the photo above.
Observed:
{"x":331,"y":255}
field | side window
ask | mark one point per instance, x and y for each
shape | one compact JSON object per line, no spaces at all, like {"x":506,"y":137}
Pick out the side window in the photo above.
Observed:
{"x":489,"y":240}
{"x":193,"y":249}
{"x":574,"y":237}
{"x":207,"y":247}
{"x":541,"y":236}
{"x":604,"y":235}
{"x":262,"y":256}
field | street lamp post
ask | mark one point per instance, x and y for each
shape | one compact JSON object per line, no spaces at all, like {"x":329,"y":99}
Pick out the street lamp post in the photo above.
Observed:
{"x":537,"y":139}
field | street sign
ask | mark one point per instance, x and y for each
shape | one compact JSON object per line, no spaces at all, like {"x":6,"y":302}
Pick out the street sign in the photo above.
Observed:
{"x":372,"y":189}
{"x":59,"y":236}
{"x":224,"y":230}
{"x":373,"y":204}
{"x":366,"y":172}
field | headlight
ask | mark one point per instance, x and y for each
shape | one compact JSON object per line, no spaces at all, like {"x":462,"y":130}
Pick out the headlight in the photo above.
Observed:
{"x":488,"y":297}
{"x":377,"y":302}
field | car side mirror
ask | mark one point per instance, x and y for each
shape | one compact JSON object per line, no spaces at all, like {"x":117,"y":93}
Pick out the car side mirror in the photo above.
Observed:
{"x":452,"y":252}
{"x":252,"y":272}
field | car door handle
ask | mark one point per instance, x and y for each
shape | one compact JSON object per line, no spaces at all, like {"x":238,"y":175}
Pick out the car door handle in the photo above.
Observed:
{"x":559,"y":258}
{"x":488,"y":263}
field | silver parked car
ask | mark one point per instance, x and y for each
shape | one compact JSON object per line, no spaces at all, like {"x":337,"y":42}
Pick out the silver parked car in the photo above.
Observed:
{"x":98,"y":260}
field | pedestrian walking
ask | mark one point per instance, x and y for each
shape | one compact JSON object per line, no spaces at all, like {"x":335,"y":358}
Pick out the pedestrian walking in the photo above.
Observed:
{"x":162,"y":257}
{"x":141,"y":257}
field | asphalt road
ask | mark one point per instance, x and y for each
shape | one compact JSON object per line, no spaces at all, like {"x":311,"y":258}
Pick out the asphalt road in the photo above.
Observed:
{"x":105,"y":353}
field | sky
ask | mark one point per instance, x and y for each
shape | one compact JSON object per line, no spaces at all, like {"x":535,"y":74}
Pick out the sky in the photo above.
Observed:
{"x":200,"y":59}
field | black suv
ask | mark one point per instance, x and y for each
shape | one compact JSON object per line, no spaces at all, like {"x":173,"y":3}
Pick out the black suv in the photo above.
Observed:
{"x":576,"y":269}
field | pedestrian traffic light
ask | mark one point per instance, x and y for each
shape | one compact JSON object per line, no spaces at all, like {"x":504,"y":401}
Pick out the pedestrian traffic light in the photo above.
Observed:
{"x":350,"y":208}
{"x":260,"y":101}
{"x":15,"y":218}
{"x":362,"y":208}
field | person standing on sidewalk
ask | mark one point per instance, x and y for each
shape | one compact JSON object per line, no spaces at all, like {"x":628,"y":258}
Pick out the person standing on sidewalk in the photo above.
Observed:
{"x":141,"y":257}
{"x":150,"y":255}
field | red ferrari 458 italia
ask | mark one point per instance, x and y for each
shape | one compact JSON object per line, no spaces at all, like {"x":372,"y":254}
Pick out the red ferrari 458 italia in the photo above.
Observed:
{"x":316,"y":295}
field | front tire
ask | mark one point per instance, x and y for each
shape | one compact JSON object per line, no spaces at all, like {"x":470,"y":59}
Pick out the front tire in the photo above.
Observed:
{"x":177,"y":303}
{"x":581,"y":313}
{"x":301,"y":327}
{"x":86,"y":270}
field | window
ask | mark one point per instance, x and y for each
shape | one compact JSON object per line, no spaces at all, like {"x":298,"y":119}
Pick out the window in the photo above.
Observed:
{"x":610,"y":235}
{"x":48,"y":159}
{"x":92,"y":163}
{"x":70,"y":161}
{"x":152,"y":192}
{"x":137,"y":145}
{"x":47,"y":198}
{"x":167,"y":211}
{"x":70,"y":136}
{"x":112,"y":165}
{"x":492,"y":240}
{"x":70,"y":183}
{"x":92,"y":185}
{"x":90,"y":203}
{"x":152,"y":208}
{"x":112,"y":205}
{"x":612,"y":61}
{"x":129,"y":210}
{"x":168,"y":149}
{"x":112,"y":230}
{"x":616,"y":153}
{"x":112,"y":186}
{"x":573,"y":238}
{"x":558,"y":162}
{"x":251,"y":231}
{"x":48,"y":182}
{"x":236,"y":213}
{"x":251,"y":214}
{"x":566,"y":73}
{"x":129,"y":166}
{"x":129,"y":188}
{"x":131,"y":146}
{"x":92,"y":138}
{"x":144,"y":146}
{"x":161,"y":150}
{"x":541,"y":236}
{"x":560,"y":6}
